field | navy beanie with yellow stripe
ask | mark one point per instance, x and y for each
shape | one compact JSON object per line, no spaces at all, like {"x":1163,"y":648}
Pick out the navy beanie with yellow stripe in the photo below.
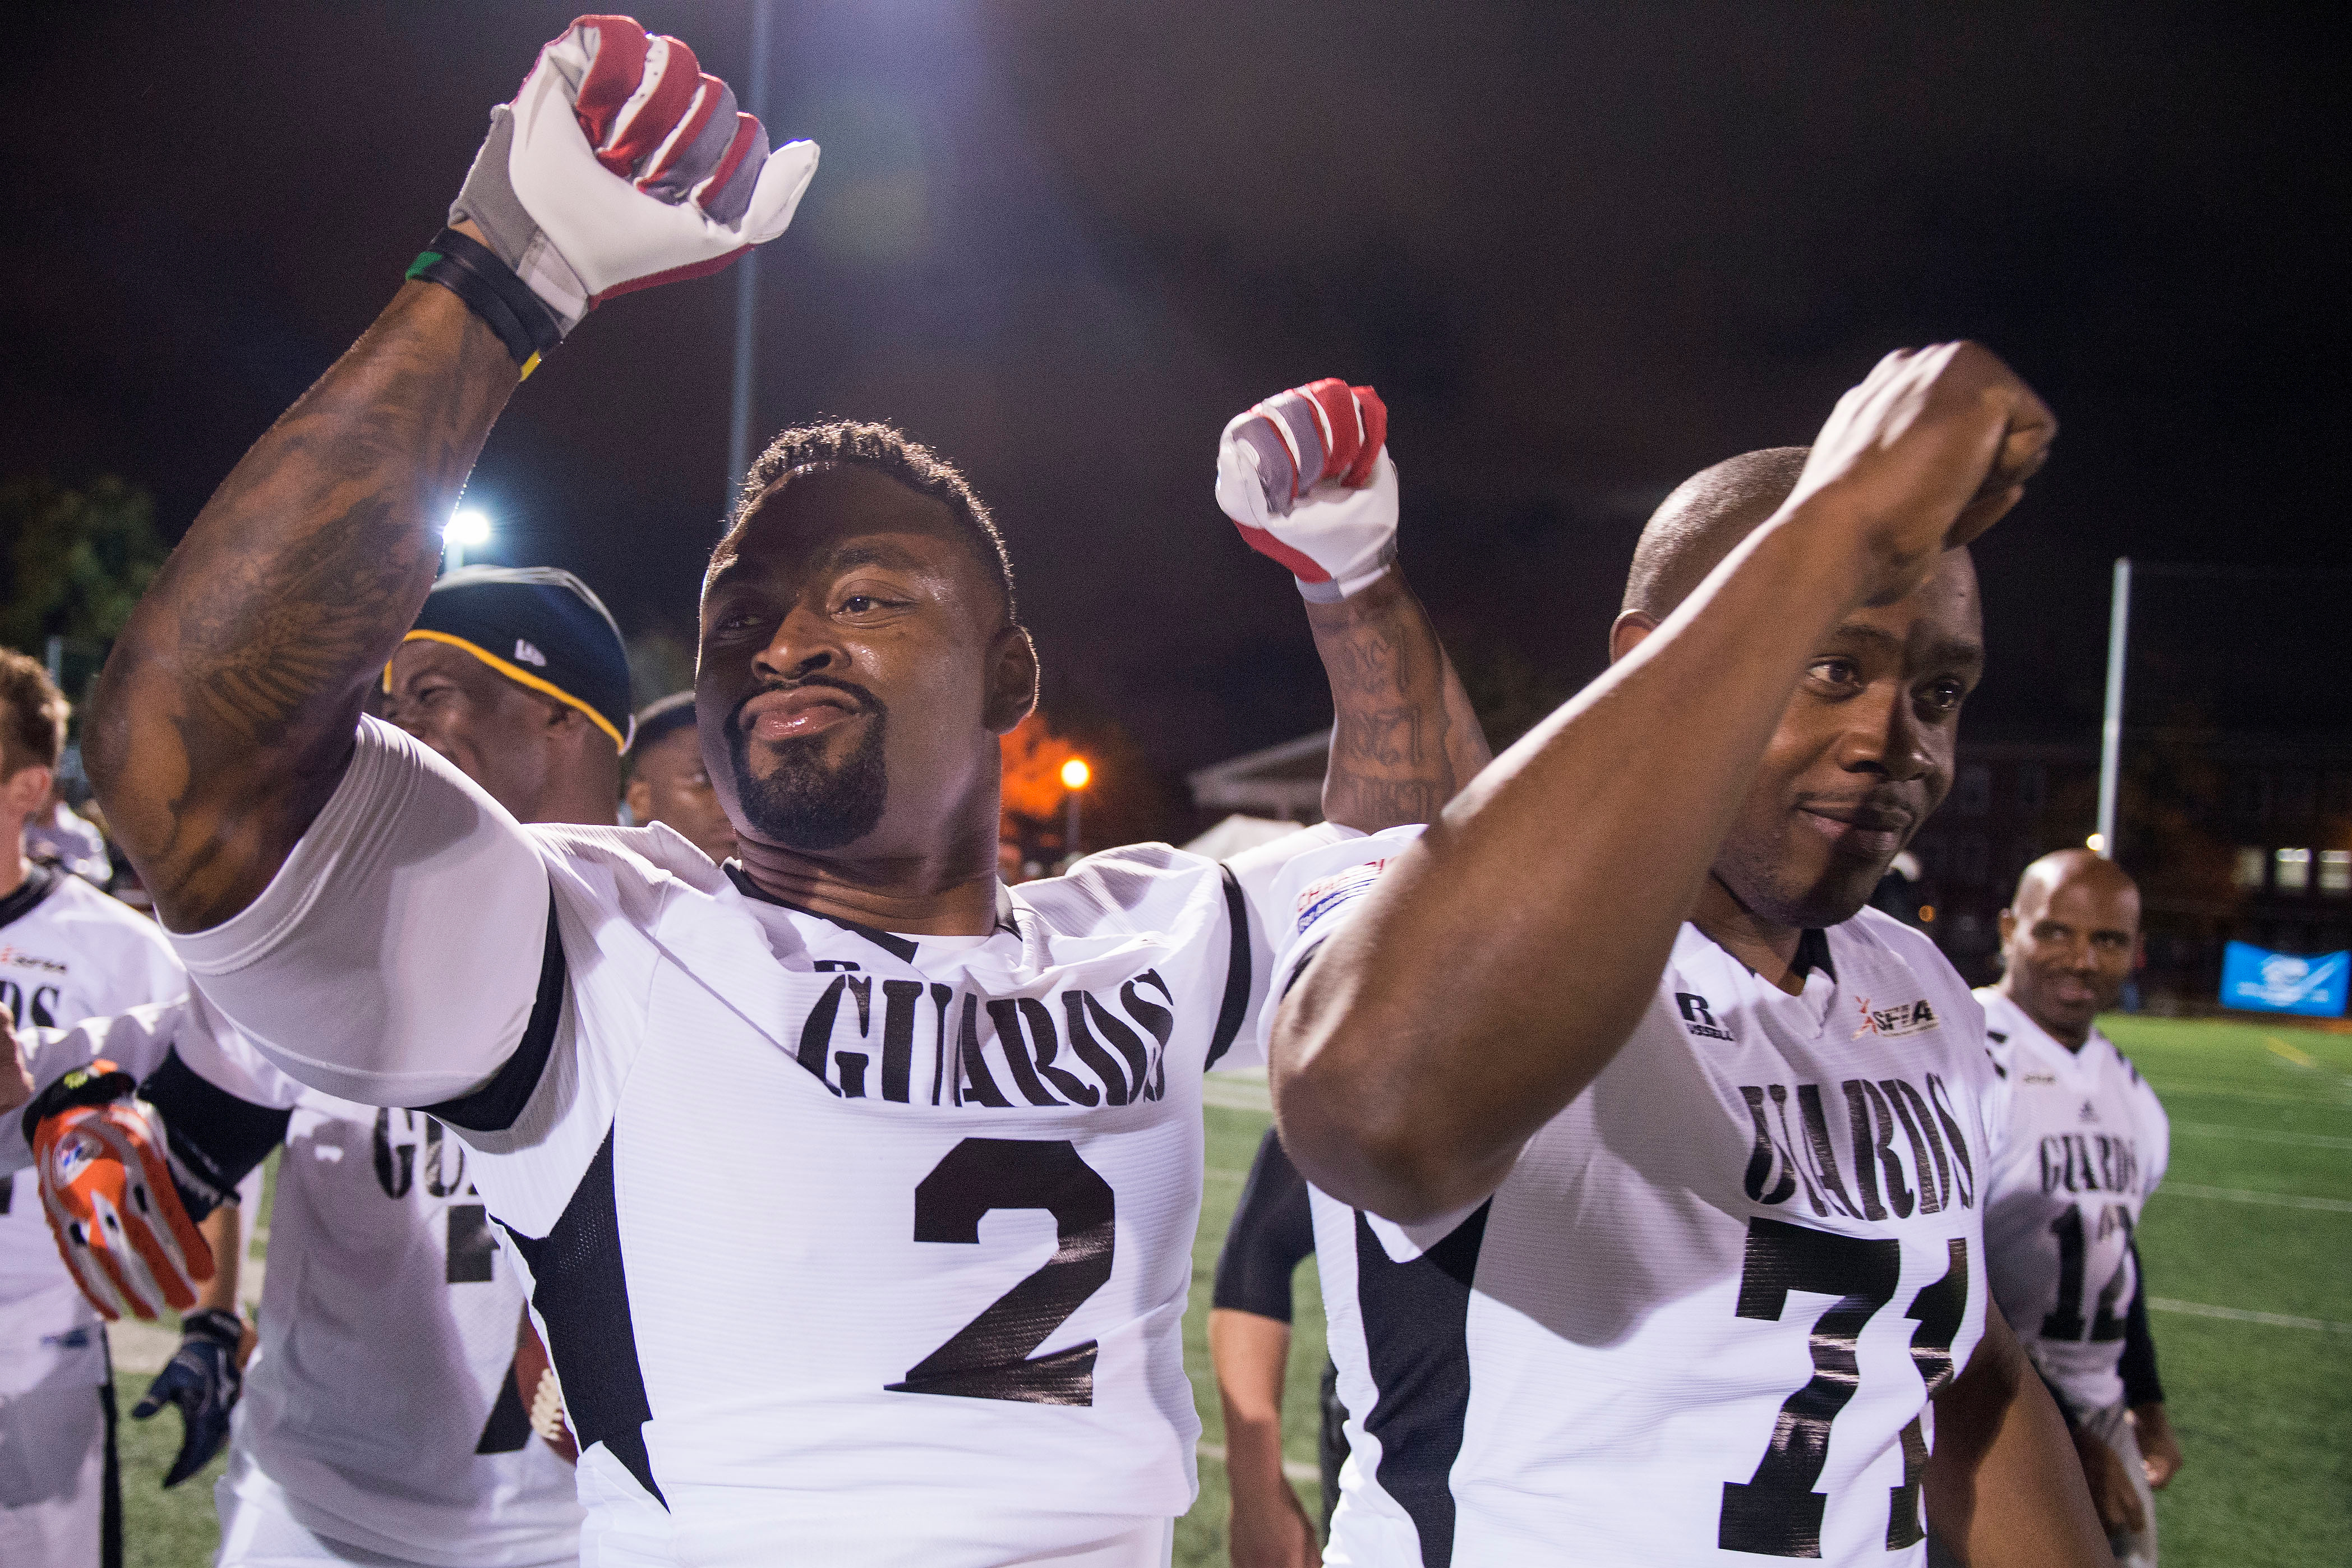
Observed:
{"x":539,"y":626}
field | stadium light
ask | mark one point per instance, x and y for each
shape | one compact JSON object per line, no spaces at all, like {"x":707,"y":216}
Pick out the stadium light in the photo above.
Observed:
{"x":2096,"y":844}
{"x":1075,"y":775}
{"x":468,"y":529}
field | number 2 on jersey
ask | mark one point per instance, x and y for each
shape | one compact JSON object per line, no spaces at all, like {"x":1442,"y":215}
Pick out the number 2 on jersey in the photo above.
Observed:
{"x":990,"y":1357}
{"x":1776,"y":1512}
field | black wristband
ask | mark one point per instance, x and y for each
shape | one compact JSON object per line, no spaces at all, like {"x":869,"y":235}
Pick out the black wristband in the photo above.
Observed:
{"x":100,"y":1083}
{"x":221,"y":1327}
{"x":472,"y":271}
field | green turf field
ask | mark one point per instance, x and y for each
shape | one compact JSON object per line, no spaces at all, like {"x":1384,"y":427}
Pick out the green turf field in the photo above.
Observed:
{"x":2249,"y":1254}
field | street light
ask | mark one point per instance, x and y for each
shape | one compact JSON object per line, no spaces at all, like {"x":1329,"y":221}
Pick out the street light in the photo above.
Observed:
{"x":467,"y":529}
{"x":1075,"y":777}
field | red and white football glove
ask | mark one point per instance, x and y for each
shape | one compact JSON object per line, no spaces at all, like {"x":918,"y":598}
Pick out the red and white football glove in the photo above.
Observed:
{"x":107,"y":1190}
{"x":620,"y":166}
{"x":1305,"y":477}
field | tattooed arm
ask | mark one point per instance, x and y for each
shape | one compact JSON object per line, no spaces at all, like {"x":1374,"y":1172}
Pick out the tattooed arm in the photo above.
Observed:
{"x":226,"y":714}
{"x":1403,"y":739}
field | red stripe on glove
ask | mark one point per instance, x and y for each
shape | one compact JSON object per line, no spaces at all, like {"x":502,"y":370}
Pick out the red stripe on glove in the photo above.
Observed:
{"x":1375,"y":415}
{"x":641,"y":134}
{"x":611,"y":79}
{"x":1343,"y":434}
{"x":709,"y":94}
{"x":748,"y":135}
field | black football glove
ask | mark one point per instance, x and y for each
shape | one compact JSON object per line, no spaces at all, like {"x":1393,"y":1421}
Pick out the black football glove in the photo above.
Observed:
{"x":204,"y":1380}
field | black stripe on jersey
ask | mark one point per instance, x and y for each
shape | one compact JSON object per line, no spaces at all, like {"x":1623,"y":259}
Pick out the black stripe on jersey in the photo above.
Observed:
{"x":1237,"y":971}
{"x":217,"y":1136}
{"x":494,"y":1107}
{"x":1416,"y":1320}
{"x":39,"y":882}
{"x":507,"y":1431}
{"x":898,"y":947}
{"x":581,"y":1290}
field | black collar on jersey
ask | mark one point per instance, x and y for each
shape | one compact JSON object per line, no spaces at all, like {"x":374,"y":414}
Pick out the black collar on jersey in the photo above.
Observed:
{"x":1812,"y":953}
{"x":39,"y":882}
{"x":898,"y":947}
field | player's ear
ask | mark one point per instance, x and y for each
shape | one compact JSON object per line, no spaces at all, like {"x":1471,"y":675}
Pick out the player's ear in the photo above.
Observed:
{"x":1627,"y":632}
{"x":1011,"y":678}
{"x":27,"y":790}
{"x":2008,"y":921}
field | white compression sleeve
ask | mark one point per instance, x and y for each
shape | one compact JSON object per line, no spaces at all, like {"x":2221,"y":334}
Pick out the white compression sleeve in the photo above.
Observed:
{"x":394,"y":957}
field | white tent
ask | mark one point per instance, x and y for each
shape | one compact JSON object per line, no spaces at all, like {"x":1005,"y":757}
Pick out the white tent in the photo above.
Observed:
{"x":1237,"y":833}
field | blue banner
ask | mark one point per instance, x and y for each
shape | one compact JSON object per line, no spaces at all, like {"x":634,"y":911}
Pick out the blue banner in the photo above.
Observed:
{"x":2260,"y":981}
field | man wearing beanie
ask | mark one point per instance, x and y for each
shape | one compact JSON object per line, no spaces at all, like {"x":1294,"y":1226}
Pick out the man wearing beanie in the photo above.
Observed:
{"x":517,"y":675}
{"x":383,"y":1418}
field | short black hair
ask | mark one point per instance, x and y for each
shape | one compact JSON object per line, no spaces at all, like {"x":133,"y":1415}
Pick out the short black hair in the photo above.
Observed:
{"x":887,"y":450}
{"x":1703,"y":520}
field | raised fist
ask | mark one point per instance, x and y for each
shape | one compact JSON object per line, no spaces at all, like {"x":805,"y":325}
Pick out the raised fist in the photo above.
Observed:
{"x":620,"y":166}
{"x":1927,"y":453}
{"x":1305,"y":477}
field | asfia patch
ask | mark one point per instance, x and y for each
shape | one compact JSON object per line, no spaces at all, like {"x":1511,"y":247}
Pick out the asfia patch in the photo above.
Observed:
{"x":1892,"y":1023}
{"x":1320,"y":896}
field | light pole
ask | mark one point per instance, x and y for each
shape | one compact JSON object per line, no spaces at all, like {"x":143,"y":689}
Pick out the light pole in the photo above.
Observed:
{"x":467,"y":529}
{"x":1075,"y":775}
{"x":747,"y":289}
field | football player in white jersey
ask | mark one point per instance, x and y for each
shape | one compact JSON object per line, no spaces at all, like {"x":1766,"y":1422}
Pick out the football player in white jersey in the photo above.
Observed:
{"x":381,"y":1421}
{"x":68,"y":951}
{"x":856,"y":1191}
{"x":1668,"y":1154}
{"x":2080,"y":1142}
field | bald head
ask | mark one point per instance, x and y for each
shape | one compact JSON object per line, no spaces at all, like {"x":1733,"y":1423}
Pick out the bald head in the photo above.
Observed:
{"x":1704,"y":521}
{"x":2066,"y":868}
{"x":2068,"y":941}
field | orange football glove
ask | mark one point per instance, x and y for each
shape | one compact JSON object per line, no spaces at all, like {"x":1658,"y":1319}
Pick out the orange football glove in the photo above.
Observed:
{"x":107,"y":1190}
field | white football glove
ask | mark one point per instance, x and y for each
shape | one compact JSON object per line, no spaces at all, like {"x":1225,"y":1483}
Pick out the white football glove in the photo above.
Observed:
{"x":1305,"y":477}
{"x":620,"y":166}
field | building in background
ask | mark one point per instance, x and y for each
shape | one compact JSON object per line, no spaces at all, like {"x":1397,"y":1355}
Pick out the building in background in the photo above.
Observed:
{"x":2234,"y":837}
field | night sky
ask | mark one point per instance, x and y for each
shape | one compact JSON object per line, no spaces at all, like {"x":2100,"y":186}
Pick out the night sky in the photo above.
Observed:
{"x":1582,"y":250}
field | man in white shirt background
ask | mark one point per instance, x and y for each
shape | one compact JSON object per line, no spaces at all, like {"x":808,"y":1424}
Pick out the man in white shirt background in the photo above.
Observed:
{"x":68,"y":952}
{"x":2081,"y":1141}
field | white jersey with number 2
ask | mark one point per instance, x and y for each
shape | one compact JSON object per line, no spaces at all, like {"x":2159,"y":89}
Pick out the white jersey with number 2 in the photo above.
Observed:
{"x":849,"y":1247}
{"x":1701,"y":1320}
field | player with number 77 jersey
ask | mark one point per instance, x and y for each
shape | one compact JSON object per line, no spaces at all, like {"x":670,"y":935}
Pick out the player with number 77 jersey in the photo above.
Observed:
{"x":856,"y":1191}
{"x":1649,"y":1162}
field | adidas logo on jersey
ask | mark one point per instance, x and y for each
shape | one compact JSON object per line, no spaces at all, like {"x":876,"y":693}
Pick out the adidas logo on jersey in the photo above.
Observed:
{"x":1908,"y":1018}
{"x":527,"y":654}
{"x":1697,"y":1017}
{"x":1905,"y":1146}
{"x":2088,"y":1112}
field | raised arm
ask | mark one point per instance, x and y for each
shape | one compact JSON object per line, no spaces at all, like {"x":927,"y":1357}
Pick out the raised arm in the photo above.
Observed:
{"x":1305,"y":477}
{"x":225,"y":715}
{"x":1496,"y":967}
{"x":1403,"y":738}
